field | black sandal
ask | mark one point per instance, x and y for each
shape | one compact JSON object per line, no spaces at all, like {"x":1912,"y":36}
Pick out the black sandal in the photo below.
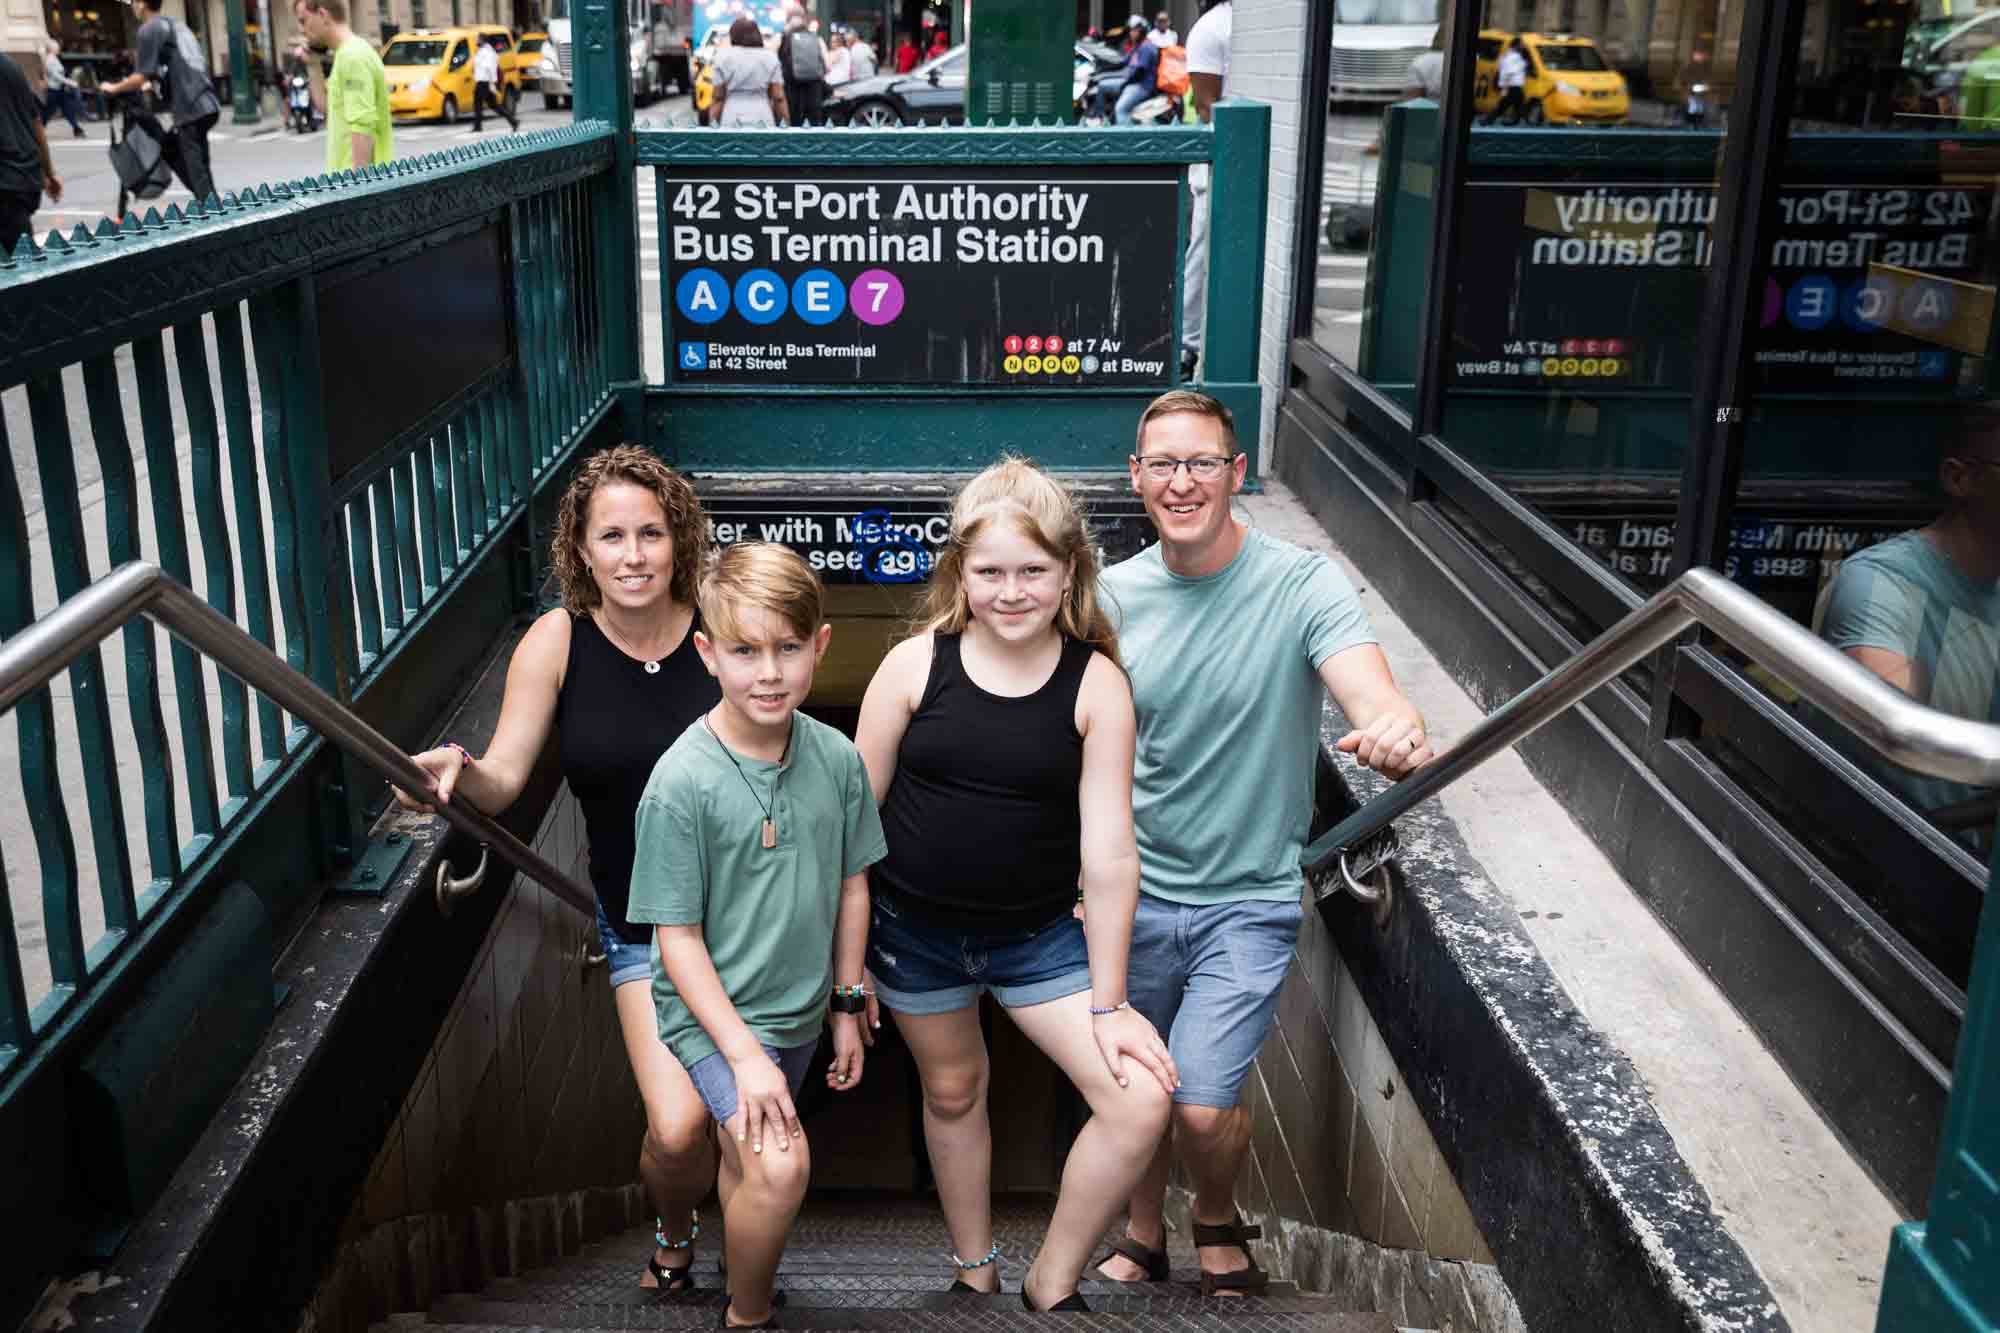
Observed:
{"x":1153,"y":1261}
{"x":1074,"y":1303}
{"x":670,"y":1278}
{"x":769,"y":1321}
{"x":1244,"y":1281}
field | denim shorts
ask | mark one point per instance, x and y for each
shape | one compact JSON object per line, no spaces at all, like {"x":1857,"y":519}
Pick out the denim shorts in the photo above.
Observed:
{"x":921,"y":969}
{"x":627,"y":962}
{"x":1208,"y":978}
{"x":716,"y":1081}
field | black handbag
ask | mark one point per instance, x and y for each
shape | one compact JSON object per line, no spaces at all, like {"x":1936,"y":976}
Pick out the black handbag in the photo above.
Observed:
{"x":139,"y":156}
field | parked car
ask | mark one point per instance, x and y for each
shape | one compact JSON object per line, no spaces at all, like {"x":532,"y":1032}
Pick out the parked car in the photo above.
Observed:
{"x":934,"y":92}
{"x":529,"y":58}
{"x":429,"y":71}
{"x":1569,"y":82}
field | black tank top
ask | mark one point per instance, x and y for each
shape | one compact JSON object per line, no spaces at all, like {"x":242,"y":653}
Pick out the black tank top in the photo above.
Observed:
{"x":614,"y":720}
{"x":982,"y":817}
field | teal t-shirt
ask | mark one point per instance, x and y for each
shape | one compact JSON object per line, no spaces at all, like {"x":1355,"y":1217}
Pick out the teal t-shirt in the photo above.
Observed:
{"x":766,"y":913}
{"x":1225,"y":682}
{"x":1905,"y":596}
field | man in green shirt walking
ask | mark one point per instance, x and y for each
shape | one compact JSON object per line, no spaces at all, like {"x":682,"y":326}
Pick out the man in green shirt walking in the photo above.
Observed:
{"x":357,"y":93}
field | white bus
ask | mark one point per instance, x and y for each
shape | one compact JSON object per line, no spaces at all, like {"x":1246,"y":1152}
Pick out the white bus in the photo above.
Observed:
{"x":1374,"y":42}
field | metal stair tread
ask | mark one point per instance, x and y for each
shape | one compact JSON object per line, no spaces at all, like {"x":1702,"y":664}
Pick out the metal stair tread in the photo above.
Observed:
{"x":620,"y":1285}
{"x":999,"y":1318}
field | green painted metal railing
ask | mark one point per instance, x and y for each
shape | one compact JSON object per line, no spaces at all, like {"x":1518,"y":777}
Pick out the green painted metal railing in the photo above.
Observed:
{"x":177,"y":357}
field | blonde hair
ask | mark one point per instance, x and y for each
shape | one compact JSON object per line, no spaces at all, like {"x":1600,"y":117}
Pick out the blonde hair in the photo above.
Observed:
{"x":686,"y":526}
{"x":1019,"y":493}
{"x":1186,"y":400}
{"x":770,"y":575}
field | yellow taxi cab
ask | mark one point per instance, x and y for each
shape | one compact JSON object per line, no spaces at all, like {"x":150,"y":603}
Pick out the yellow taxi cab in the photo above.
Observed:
{"x":528,"y":57}
{"x":1568,"y":81}
{"x":430,"y":71}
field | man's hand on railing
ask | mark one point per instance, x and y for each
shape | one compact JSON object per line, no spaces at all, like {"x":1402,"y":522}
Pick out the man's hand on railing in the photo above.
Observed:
{"x":1394,"y":745}
{"x":443,"y":764}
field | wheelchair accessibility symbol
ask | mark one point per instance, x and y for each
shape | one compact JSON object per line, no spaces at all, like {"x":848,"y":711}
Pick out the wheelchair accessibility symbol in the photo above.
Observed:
{"x":694,"y":356}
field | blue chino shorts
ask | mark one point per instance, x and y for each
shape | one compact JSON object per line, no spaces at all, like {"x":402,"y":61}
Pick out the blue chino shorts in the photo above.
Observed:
{"x":1208,"y":978}
{"x":627,"y":962}
{"x":921,"y":969}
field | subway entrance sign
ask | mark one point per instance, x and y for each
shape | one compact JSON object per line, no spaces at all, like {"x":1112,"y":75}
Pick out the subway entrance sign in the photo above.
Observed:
{"x":933,"y":276}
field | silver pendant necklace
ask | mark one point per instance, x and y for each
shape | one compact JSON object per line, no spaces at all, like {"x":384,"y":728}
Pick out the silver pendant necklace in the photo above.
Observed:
{"x":652,"y":665}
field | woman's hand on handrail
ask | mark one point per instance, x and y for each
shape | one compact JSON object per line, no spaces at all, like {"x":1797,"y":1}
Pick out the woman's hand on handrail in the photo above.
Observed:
{"x":443,"y":764}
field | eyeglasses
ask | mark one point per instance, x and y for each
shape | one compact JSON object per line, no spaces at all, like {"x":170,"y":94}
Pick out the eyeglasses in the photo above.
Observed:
{"x":1206,"y":468}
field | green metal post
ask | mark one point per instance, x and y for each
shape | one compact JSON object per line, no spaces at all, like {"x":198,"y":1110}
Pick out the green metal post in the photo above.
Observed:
{"x":1944,"y":1273}
{"x":1234,"y":319}
{"x":604,"y":93}
{"x":1021,"y":57}
{"x":243,"y":90}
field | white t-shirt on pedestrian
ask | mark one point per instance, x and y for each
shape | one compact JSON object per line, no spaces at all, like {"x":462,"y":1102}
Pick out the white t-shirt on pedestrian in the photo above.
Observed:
{"x":861,"y":59}
{"x":1427,"y":73}
{"x":1208,"y":43}
{"x":1164,"y":37}
{"x":1513,"y":69}
{"x":839,"y":66}
{"x":485,"y":64}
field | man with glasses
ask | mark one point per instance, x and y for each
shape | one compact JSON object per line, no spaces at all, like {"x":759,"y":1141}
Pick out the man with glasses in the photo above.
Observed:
{"x":1230,"y":636}
{"x":1922,"y":611}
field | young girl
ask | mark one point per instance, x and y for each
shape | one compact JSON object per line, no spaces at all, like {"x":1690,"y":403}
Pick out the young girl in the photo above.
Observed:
{"x":614,"y":671}
{"x":999,"y":742}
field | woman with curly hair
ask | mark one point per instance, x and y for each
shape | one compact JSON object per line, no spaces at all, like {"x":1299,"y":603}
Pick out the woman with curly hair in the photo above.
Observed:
{"x":614,"y":673}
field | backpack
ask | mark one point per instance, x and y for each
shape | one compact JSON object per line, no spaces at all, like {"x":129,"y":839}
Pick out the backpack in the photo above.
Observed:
{"x":184,"y":76}
{"x":808,"y":57}
{"x":1172,"y":78}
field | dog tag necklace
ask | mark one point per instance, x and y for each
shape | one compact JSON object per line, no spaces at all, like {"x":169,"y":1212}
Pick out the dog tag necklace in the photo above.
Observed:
{"x":770,"y":828}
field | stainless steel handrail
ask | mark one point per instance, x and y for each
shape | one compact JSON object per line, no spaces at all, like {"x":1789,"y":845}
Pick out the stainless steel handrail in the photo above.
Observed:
{"x":33,"y":657}
{"x":1890,"y":722}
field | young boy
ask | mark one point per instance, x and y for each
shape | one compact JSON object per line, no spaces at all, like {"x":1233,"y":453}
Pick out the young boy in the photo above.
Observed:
{"x":753,"y":841}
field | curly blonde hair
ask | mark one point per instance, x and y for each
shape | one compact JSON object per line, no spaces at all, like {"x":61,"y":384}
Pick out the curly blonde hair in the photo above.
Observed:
{"x":686,"y":525}
{"x":1040,"y":508}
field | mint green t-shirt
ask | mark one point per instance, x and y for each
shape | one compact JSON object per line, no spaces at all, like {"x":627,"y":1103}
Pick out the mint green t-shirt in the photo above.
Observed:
{"x":1225,"y":682}
{"x":1905,"y":596}
{"x":766,"y":913}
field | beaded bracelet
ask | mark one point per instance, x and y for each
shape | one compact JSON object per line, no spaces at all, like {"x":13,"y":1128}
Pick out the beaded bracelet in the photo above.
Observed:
{"x":991,"y":1255}
{"x":463,"y":753}
{"x":1099,"y":1013}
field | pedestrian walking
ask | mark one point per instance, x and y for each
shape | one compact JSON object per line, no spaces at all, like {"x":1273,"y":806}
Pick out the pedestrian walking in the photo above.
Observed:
{"x":1208,"y":78}
{"x":839,"y":61}
{"x":486,"y":88}
{"x":803,"y":58}
{"x":63,"y":94}
{"x":907,"y":53}
{"x":26,"y":169}
{"x":1232,"y":640}
{"x":357,"y":92}
{"x":749,"y":84}
{"x":1512,"y":81}
{"x":864,"y":61}
{"x":170,"y":60}
{"x":1163,"y":34}
{"x":940,"y":43}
